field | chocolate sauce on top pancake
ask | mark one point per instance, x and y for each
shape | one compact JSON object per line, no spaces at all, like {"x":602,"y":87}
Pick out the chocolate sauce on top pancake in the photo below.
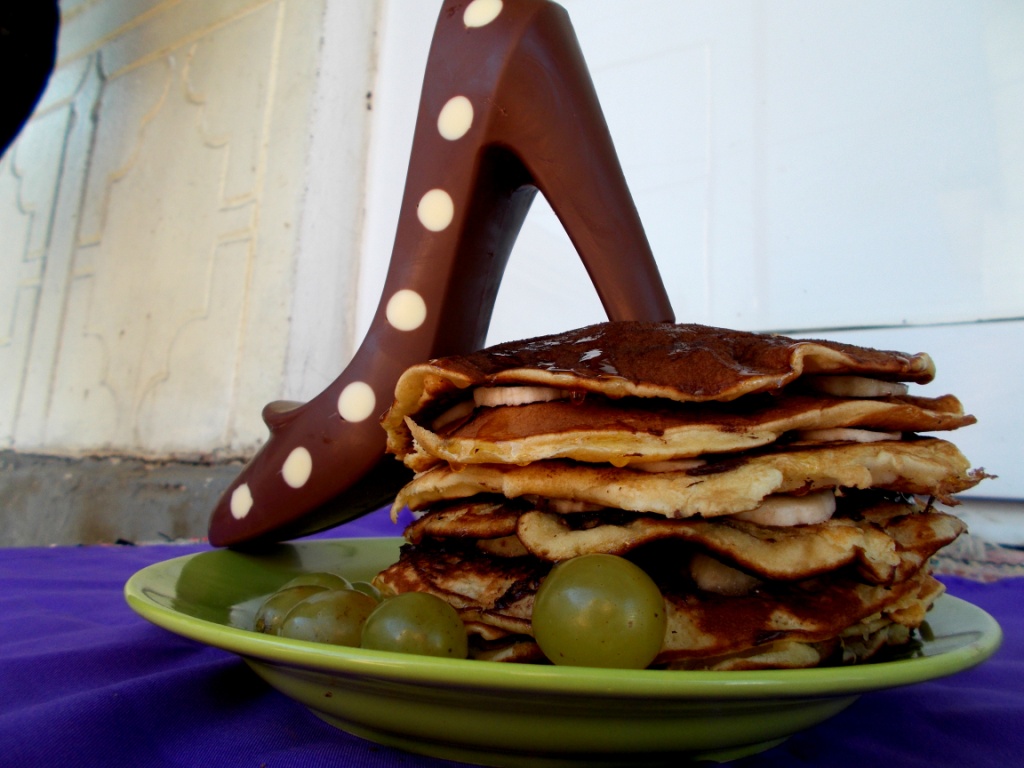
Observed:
{"x":685,"y":362}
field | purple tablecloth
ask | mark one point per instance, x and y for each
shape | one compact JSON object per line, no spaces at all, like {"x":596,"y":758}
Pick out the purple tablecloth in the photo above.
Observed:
{"x":85,"y":681}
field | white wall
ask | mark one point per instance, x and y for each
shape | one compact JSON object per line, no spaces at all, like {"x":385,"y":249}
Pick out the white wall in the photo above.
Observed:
{"x":214,"y":238}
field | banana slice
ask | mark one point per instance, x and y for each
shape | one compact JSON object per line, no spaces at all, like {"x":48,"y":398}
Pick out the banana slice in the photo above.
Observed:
{"x":561,"y":506}
{"x":570,"y":506}
{"x":785,"y":511}
{"x":845,"y":434}
{"x":855,"y":386}
{"x":490,"y":397}
{"x":671,"y":465}
{"x":713,"y":575}
{"x":453,"y":414}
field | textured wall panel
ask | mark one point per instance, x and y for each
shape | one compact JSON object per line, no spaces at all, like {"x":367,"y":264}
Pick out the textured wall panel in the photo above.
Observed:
{"x":153,"y":217}
{"x":173,"y":179}
{"x":39,"y":199}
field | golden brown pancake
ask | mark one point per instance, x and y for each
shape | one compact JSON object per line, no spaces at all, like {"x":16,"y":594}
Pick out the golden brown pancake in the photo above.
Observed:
{"x":634,"y":430}
{"x":885,"y":541}
{"x":734,"y":484}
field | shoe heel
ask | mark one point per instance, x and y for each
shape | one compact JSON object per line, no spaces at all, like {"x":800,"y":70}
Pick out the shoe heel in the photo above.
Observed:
{"x":507,"y":108}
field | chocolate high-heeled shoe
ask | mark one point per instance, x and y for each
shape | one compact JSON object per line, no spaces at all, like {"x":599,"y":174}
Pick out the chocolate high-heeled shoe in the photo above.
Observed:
{"x":507,"y":108}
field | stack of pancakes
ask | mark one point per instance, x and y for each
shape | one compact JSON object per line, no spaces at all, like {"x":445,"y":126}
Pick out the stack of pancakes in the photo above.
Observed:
{"x":777,"y":490}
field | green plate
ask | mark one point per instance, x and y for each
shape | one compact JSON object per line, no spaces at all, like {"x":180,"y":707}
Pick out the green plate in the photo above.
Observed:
{"x":507,"y":714}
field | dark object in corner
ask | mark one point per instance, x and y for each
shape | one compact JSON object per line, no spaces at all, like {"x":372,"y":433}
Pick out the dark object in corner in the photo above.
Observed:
{"x":28,"y":51}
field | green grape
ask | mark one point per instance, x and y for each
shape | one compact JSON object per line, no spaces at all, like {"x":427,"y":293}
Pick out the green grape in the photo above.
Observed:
{"x":599,"y":610}
{"x":333,"y":616}
{"x":369,"y":589}
{"x":321,"y":578}
{"x":416,"y":622}
{"x":276,"y":607}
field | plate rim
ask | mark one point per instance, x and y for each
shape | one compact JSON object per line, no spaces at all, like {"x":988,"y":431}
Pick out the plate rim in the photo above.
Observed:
{"x":612,"y":683}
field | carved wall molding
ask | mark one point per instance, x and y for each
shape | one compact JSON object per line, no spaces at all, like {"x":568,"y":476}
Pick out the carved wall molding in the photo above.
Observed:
{"x":153,"y":212}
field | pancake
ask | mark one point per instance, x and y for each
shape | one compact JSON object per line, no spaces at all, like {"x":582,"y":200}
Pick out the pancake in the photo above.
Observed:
{"x":724,"y":486}
{"x":780,"y":492}
{"x":885,"y":541}
{"x":679,"y":363}
{"x":635,"y":430}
